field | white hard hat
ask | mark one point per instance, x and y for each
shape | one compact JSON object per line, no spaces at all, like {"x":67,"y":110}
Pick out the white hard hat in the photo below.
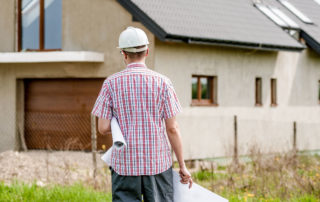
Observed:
{"x":133,"y":37}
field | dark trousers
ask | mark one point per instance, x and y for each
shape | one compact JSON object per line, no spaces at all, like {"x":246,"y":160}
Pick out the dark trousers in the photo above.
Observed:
{"x":153,"y":188}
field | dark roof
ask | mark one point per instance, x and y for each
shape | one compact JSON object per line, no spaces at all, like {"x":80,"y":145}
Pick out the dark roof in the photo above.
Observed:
{"x":309,"y":32}
{"x":224,"y":22}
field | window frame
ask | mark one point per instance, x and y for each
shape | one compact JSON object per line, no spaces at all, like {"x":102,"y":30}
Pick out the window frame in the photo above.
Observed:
{"x":41,"y":28}
{"x":273,"y":92}
{"x":258,"y":91}
{"x":318,"y":89}
{"x":213,"y":100}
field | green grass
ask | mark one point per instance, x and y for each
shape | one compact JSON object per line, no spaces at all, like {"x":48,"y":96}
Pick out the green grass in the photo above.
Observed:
{"x":274,"y":178}
{"x":256,"y":199}
{"x":23,"y":192}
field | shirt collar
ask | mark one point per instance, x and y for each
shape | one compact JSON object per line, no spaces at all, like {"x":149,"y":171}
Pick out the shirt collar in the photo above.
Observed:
{"x":136,"y":64}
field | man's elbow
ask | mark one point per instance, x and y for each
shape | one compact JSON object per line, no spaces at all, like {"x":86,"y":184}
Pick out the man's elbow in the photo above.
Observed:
{"x":173,"y":129}
{"x":103,"y":130}
{"x":104,"y":126}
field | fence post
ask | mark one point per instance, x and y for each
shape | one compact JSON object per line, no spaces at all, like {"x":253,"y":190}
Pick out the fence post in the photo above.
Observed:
{"x":21,"y":115}
{"x":235,"y":149}
{"x":294,"y":137}
{"x":94,"y":146}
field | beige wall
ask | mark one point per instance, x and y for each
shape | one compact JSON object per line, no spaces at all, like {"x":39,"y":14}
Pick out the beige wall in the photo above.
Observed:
{"x":86,"y":26}
{"x":208,"y":131}
{"x":7,"y":84}
{"x":7,"y":25}
{"x":95,"y":25}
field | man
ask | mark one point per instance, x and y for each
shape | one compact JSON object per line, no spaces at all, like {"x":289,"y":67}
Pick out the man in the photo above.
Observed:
{"x":145,"y":105}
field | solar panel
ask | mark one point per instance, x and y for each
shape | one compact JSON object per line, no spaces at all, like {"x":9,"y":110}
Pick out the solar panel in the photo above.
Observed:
{"x":285,"y":18}
{"x":295,"y":11}
{"x":265,"y":10}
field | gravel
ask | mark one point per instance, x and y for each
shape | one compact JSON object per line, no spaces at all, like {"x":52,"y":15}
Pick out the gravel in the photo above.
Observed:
{"x":58,"y":167}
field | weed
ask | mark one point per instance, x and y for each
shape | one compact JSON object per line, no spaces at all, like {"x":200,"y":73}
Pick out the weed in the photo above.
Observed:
{"x":273,"y":177}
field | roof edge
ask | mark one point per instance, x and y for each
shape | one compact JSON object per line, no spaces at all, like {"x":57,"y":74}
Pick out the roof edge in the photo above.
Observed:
{"x":229,"y":43}
{"x":143,"y":18}
{"x":314,"y":44}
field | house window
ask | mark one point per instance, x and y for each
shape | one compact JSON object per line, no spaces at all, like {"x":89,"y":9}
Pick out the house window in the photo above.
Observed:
{"x":273,"y":92}
{"x":258,"y":91}
{"x":204,"y":90}
{"x":39,"y":24}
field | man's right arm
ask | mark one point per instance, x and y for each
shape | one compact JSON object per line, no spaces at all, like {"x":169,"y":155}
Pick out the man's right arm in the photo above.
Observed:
{"x":176,"y":144}
{"x":104,"y":126}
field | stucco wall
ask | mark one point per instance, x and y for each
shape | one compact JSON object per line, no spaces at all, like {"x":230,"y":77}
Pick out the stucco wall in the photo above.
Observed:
{"x":92,"y":25}
{"x":208,"y":131}
{"x":7,"y":109}
{"x":7,"y":25}
{"x":95,"y":25}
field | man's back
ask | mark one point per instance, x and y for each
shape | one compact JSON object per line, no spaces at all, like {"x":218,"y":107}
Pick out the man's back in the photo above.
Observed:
{"x":140,"y":99}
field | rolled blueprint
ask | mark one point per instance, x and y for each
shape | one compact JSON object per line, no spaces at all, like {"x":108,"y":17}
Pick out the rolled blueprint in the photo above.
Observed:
{"x":106,"y":157}
{"x":118,"y":141}
{"x":117,"y":137}
{"x":182,"y":193}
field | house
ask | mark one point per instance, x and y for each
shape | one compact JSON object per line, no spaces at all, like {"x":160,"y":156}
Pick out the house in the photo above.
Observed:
{"x":225,"y":58}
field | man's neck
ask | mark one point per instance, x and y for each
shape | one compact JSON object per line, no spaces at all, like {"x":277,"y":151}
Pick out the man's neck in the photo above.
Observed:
{"x":136,"y":61}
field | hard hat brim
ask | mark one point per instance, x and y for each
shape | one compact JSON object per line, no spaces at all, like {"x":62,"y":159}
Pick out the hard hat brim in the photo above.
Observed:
{"x":135,"y":50}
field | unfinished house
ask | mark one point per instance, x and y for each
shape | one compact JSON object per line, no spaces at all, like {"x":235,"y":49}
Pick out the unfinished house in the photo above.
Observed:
{"x":246,"y":72}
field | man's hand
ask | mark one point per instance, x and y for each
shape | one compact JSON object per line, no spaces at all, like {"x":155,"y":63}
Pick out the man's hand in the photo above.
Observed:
{"x":185,"y":176}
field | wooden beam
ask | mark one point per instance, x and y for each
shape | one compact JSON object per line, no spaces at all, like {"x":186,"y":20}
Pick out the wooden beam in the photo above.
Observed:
{"x":199,"y":89}
{"x":19,"y":25}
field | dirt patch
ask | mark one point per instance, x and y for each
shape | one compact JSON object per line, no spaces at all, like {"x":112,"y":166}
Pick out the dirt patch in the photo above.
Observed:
{"x":60,"y":167}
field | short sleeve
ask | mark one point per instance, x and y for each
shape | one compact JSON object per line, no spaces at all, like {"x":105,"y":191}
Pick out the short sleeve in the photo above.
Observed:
{"x":171,"y":103}
{"x":103,"y":106}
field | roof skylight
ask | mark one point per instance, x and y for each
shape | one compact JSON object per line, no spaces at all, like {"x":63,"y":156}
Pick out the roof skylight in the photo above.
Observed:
{"x":295,"y":11}
{"x":285,"y":18}
{"x":264,"y":9}
{"x":277,"y":16}
{"x":318,"y":1}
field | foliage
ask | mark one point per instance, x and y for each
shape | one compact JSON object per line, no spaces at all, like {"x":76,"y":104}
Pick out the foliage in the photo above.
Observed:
{"x":276,"y":177}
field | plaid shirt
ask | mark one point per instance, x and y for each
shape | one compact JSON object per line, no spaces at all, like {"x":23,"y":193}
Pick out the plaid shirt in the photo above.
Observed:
{"x":140,"y":99}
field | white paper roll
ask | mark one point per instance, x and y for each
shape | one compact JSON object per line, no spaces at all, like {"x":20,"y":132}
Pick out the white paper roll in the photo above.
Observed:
{"x":182,"y":193}
{"x":106,"y":157}
{"x":117,"y":140}
{"x":117,"y":136}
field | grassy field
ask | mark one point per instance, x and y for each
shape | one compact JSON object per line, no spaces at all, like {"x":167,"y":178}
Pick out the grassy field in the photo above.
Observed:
{"x":22,"y":192}
{"x":277,"y":177}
